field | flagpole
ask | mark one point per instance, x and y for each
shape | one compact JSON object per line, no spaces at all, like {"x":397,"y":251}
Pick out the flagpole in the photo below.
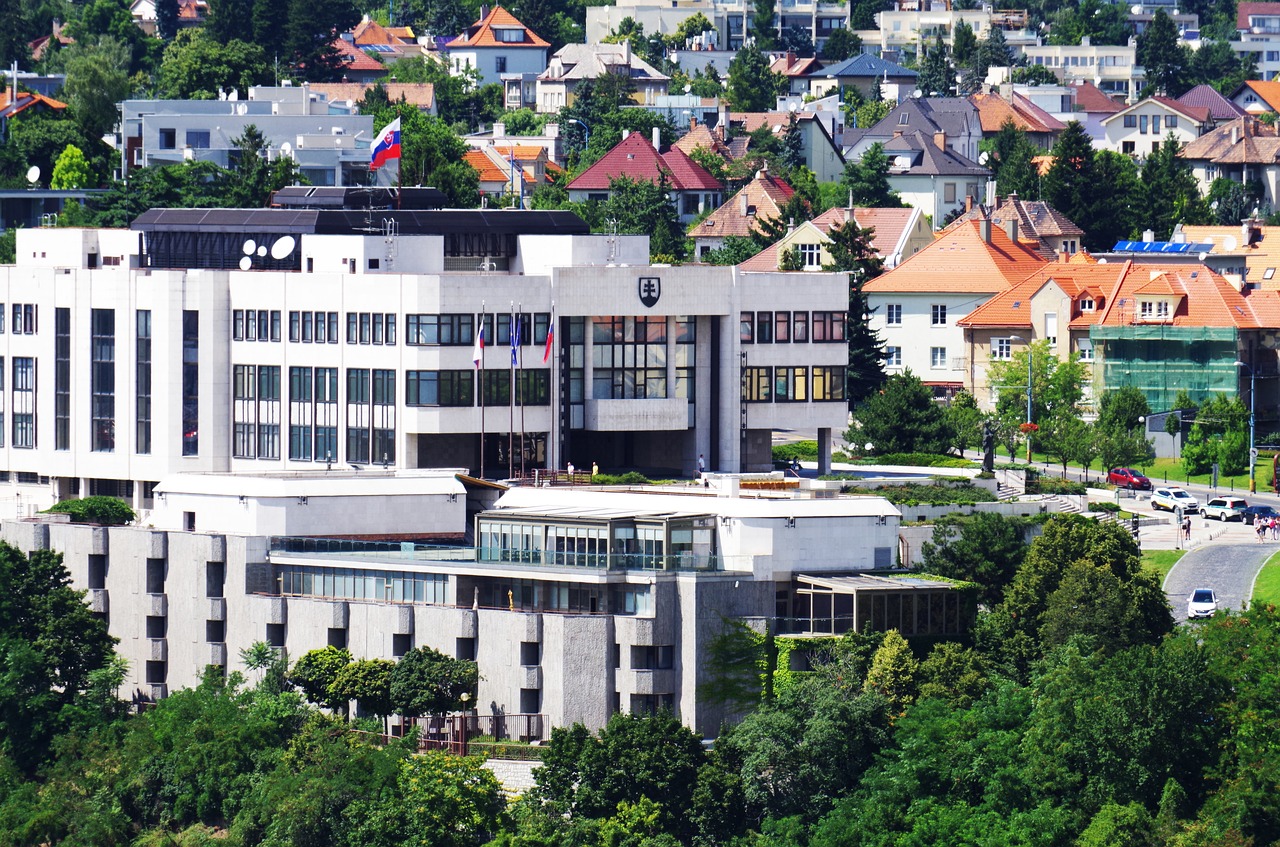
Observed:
{"x":514,"y":334}
{"x":520,"y":355}
{"x":480,"y":387}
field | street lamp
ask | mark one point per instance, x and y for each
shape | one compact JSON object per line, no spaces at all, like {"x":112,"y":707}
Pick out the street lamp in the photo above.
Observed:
{"x":1253,"y":451}
{"x":586,"y":131}
{"x":1027,"y":427}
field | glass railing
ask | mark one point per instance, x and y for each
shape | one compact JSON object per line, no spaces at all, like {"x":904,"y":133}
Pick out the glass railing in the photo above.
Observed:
{"x":356,"y":549}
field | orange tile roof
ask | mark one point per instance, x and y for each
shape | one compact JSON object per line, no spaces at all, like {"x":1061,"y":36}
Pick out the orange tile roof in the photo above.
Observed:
{"x":420,"y":94}
{"x":488,"y":169}
{"x":994,"y":111}
{"x":26,"y":99}
{"x":1269,"y":92}
{"x":522,"y":152}
{"x":763,"y":198}
{"x":369,"y":32}
{"x":353,"y":58}
{"x":480,"y":34}
{"x":887,"y":226}
{"x":702,"y":136}
{"x":1205,"y":299}
{"x":959,"y":260}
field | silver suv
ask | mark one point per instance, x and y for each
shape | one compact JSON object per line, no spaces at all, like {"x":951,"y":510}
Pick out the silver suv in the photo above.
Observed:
{"x":1225,"y":509}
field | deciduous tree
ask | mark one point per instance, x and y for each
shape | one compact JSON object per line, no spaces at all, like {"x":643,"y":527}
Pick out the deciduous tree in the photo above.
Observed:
{"x":902,"y":417}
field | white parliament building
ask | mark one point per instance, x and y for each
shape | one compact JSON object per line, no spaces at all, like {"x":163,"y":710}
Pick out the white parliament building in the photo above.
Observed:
{"x":288,"y":398}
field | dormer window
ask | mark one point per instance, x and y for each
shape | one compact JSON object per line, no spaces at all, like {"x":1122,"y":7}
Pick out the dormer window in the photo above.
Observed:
{"x":1086,"y":304}
{"x":1153,"y":310}
{"x":509,"y":35}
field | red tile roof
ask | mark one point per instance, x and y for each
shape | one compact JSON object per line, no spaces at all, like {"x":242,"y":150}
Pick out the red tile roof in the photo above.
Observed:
{"x":1090,"y":98}
{"x":480,"y":34}
{"x":1245,"y":9}
{"x":994,"y":111}
{"x":887,"y":227}
{"x":634,"y":157}
{"x":355,"y":59}
{"x":26,"y":99}
{"x":959,"y":260}
{"x":762,"y":198}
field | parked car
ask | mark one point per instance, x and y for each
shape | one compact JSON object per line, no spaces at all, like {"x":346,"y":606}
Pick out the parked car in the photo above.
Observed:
{"x":1225,"y":509}
{"x":1128,"y":478}
{"x":1171,"y":498}
{"x":1253,"y":514}
{"x":1202,"y":603}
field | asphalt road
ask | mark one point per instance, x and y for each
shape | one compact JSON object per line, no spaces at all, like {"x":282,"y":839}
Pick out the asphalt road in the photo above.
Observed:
{"x":1229,"y":569}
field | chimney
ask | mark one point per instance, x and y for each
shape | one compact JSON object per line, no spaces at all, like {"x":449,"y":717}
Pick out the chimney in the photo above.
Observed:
{"x":626,"y":52}
{"x":940,"y":140}
{"x":499,"y":130}
{"x":1235,"y":134}
{"x":897,"y":133}
{"x":484,"y":12}
{"x":1011,"y":227}
{"x":657,"y":138}
{"x":625,"y":134}
{"x":791,"y":58}
{"x":791,"y":225}
{"x":984,"y":227}
{"x":742,"y":198}
{"x":968,"y":203}
{"x":693,"y":123}
{"x":720,"y":132}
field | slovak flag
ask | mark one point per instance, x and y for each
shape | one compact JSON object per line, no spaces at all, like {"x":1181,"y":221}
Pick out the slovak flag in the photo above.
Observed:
{"x":551,"y":335}
{"x":478,"y":354}
{"x":386,"y":146}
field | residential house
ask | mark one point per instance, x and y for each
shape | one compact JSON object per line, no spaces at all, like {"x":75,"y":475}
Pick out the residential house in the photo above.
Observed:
{"x":917,"y":305}
{"x":499,"y":175}
{"x":1221,"y":109}
{"x":14,"y":102}
{"x":818,"y":147}
{"x":1257,"y":97}
{"x":574,"y":63}
{"x":994,"y":111}
{"x":797,"y":70}
{"x":1113,"y":68}
{"x":330,"y":149}
{"x":928,"y":174}
{"x":1032,"y":223}
{"x":760,"y":199}
{"x":390,"y":43}
{"x":712,"y":138}
{"x":895,"y":235}
{"x":496,"y":136}
{"x":1245,"y":150}
{"x":420,"y":94}
{"x":907,"y":24}
{"x":190,"y":13}
{"x":498,"y":44}
{"x":864,"y":72}
{"x":1255,"y":246}
{"x":1258,"y":30}
{"x":955,"y":118}
{"x":1140,"y":129}
{"x":1093,"y":106}
{"x":357,"y":65}
{"x":41,"y":46}
{"x":1159,"y":328}
{"x":1059,"y":101}
{"x":691,"y":188}
{"x":1223,"y":258}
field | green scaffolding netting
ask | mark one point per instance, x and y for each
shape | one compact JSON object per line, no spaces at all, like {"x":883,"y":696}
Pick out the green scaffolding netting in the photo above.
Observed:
{"x":1163,"y":360}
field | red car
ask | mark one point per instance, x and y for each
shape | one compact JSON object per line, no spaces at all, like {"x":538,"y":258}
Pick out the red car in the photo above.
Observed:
{"x":1128,"y":478}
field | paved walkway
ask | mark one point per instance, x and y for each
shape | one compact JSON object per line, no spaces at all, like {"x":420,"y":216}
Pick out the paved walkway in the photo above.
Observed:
{"x":1229,"y":569}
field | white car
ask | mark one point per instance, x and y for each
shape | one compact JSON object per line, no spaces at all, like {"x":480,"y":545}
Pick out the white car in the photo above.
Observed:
{"x":1225,"y":509}
{"x":1202,"y":603}
{"x":1170,"y":498}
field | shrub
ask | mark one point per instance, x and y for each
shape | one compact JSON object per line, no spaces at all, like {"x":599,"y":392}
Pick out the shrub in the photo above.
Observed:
{"x":1054,"y":485}
{"x":108,"y":511}
{"x":919,"y":460}
{"x":628,"y":478}
{"x":915,"y":494}
{"x":805,"y":451}
{"x":1104,"y":506}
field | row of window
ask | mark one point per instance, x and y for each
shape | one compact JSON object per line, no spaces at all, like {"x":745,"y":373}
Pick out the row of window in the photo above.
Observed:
{"x":793,"y":384}
{"x":379,"y":328}
{"x":792,"y":327}
{"x":1141,"y":122}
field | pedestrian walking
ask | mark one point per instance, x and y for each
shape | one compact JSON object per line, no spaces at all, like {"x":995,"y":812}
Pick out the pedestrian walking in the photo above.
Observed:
{"x":1186,"y":529}
{"x":702,"y":465}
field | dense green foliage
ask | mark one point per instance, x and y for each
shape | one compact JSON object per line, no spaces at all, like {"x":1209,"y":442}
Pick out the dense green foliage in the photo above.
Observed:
{"x":902,"y":418}
{"x":108,"y":511}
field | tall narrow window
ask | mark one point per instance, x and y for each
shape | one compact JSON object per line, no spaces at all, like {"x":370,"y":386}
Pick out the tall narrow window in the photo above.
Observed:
{"x":301,"y":414}
{"x":102,"y":379}
{"x":269,"y":412}
{"x":62,"y":379}
{"x":358,"y":395}
{"x":190,"y":382}
{"x":326,"y":414}
{"x":384,"y":416}
{"x":24,"y":402}
{"x":244,"y":393}
{"x":142,"y":413}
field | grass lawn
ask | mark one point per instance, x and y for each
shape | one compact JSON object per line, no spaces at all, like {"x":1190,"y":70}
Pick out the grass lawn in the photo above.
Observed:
{"x":1161,"y":561}
{"x":1267,"y":588}
{"x":1170,"y":471}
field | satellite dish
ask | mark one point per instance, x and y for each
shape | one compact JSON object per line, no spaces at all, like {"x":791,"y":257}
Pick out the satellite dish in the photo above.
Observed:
{"x":283,"y":248}
{"x":917,"y":94}
{"x":246,"y":263}
{"x":984,"y":157}
{"x":262,"y":249}
{"x":1229,"y":243}
{"x":1214,"y":205}
{"x":33,"y":174}
{"x":791,"y":107}
{"x":249,"y":247}
{"x":1204,"y":256}
{"x":286,"y":149}
{"x":1136,"y":8}
{"x":1102,"y":261}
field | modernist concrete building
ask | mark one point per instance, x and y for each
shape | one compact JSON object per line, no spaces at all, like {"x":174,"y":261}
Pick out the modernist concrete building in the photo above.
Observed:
{"x":297,"y":338}
{"x":574,"y":602}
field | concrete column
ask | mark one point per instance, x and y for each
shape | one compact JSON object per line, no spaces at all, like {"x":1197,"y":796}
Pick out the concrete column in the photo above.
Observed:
{"x":824,"y":450}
